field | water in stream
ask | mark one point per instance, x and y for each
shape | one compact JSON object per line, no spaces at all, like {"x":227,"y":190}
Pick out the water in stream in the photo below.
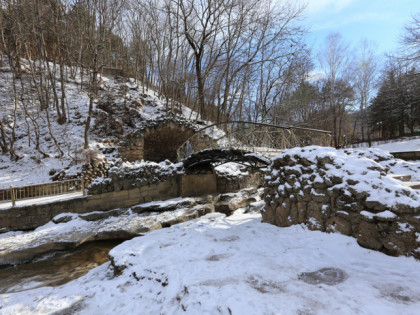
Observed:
{"x":56,"y":268}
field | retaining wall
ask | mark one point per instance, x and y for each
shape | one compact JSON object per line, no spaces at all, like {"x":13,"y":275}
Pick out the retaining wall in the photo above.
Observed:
{"x":408,"y":156}
{"x":30,"y":217}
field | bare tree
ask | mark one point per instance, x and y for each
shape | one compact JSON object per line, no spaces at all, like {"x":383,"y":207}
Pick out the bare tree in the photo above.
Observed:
{"x":365,"y":74}
{"x":201,"y":22}
{"x":228,"y":38}
{"x":410,"y":50}
{"x":335,"y":61}
{"x":264,"y":38}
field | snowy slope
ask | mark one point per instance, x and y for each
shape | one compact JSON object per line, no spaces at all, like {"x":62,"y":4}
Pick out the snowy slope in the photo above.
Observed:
{"x":31,"y":167}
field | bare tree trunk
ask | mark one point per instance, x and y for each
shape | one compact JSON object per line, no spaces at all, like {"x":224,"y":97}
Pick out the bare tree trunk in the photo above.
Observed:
{"x":52,"y":135}
{"x":53,"y":82}
{"x":63,"y":91}
{"x":200,"y":88}
{"x":92,"y":93}
{"x":38,"y":85}
{"x":3,"y":142}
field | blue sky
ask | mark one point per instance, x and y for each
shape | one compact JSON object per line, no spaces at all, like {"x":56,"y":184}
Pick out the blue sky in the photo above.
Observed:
{"x":381,"y":21}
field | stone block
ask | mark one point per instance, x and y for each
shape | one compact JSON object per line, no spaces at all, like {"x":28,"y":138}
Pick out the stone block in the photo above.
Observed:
{"x":339,"y":224}
{"x":314,"y":225}
{"x":224,"y":207}
{"x":281,"y":216}
{"x":95,"y":205}
{"x":314,"y":210}
{"x":368,"y":236}
{"x":320,"y":185}
{"x":374,"y":206}
{"x":134,"y":193}
{"x":301,"y":207}
{"x":400,"y":239}
{"x":413,"y":220}
{"x":320,"y":196}
{"x":147,"y":199}
{"x":129,"y":202}
{"x":405,"y":209}
{"x":197,"y":185}
{"x":94,"y":197}
{"x":294,"y":214}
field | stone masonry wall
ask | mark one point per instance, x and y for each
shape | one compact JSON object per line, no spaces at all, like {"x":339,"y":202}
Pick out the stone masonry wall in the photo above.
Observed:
{"x":132,"y":147}
{"x":333,"y":192}
{"x":130,"y":175}
{"x":227,"y":184}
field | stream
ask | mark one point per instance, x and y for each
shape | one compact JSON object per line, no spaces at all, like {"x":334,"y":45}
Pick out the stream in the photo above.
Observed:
{"x":55,"y":268}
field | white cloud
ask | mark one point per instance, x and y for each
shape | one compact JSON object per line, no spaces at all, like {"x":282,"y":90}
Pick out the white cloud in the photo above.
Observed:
{"x":315,"y":75}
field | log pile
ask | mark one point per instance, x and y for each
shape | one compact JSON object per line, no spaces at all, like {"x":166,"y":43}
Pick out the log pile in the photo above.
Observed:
{"x":93,"y":170}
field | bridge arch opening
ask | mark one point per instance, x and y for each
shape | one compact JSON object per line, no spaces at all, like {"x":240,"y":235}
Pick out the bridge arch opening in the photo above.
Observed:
{"x":162,"y":142}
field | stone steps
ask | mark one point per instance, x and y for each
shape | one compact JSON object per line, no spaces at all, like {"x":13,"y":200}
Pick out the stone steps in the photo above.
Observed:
{"x":405,"y":178}
{"x":401,"y":177}
{"x":413,"y":185}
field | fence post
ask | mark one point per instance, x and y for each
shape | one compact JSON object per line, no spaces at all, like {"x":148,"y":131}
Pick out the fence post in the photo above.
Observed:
{"x":83,"y":187}
{"x":12,"y":195}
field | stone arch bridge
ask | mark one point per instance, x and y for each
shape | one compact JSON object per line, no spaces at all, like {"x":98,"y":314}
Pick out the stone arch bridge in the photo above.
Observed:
{"x":177,"y":139}
{"x":245,"y":142}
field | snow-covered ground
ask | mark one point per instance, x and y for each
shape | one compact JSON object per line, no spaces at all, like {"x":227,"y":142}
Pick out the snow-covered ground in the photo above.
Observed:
{"x":397,"y":145}
{"x":31,"y":168}
{"x":401,"y":146}
{"x":234,"y":265}
{"x":387,"y":160}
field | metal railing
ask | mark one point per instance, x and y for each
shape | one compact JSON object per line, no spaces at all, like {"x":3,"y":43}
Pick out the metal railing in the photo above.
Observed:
{"x":40,"y":190}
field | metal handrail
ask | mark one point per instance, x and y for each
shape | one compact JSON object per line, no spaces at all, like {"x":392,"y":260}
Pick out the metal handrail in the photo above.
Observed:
{"x":40,"y":190}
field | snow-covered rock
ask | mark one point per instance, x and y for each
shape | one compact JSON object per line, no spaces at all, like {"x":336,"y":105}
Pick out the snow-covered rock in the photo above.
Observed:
{"x":330,"y":190}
